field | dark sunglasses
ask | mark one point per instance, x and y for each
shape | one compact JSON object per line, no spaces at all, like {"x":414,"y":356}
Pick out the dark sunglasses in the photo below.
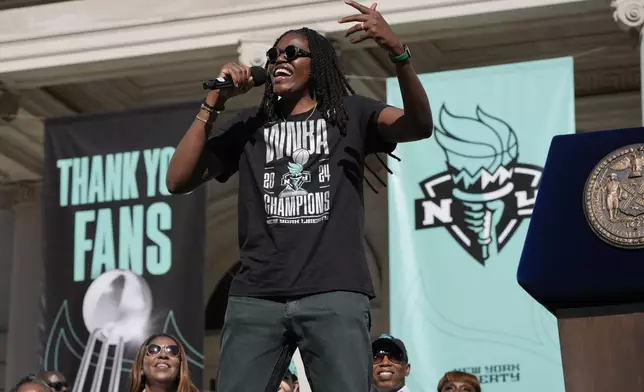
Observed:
{"x":155,"y":349}
{"x":291,"y":52}
{"x":58,"y":386}
{"x":394,"y":357}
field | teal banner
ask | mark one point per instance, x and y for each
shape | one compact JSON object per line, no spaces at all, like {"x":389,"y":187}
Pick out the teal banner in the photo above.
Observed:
{"x":459,"y":205}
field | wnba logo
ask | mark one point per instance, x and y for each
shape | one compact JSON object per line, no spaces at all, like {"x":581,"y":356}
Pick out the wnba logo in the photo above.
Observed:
{"x":485,"y":193}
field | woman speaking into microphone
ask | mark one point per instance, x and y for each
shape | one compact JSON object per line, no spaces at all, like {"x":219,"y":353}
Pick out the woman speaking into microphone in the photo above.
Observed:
{"x":304,"y":280}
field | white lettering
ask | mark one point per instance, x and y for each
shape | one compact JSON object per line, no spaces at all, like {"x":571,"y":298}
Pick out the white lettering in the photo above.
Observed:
{"x":321,"y":138}
{"x":433,"y":212}
{"x":283,"y":139}
{"x":523,"y":200}
{"x":312,"y":204}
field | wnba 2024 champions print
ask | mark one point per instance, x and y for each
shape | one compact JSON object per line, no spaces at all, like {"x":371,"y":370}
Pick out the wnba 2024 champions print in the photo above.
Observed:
{"x":296,"y":195}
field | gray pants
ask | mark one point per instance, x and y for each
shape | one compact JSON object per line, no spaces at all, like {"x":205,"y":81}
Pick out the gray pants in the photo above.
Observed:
{"x":331,"y":330}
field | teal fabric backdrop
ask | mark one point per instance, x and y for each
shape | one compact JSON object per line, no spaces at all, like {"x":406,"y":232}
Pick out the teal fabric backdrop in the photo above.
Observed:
{"x":459,"y":205}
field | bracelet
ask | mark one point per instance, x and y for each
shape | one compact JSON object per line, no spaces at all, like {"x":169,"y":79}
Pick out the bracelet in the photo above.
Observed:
{"x":204,"y":120}
{"x":209,"y":108}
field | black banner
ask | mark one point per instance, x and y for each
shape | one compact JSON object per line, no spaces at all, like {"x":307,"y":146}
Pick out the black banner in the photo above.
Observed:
{"x":123,"y":258}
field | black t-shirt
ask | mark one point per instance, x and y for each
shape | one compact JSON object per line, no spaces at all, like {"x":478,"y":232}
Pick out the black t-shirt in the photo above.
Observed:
{"x":301,"y":210}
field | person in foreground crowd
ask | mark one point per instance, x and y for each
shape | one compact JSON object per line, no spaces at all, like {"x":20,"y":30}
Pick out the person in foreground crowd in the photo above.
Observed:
{"x":390,"y":364}
{"x":55,"y":380}
{"x":456,"y":381}
{"x":304,"y":280}
{"x":289,"y":382}
{"x":31,"y":383}
{"x":161,"y":365}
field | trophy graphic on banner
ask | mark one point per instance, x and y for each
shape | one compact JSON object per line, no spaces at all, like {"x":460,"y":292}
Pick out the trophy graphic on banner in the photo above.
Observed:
{"x":116,"y":310}
{"x":481,"y":153}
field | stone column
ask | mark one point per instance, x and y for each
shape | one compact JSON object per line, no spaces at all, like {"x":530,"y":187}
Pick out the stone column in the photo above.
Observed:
{"x":6,"y":257}
{"x":27,"y":273}
{"x":629,"y":15}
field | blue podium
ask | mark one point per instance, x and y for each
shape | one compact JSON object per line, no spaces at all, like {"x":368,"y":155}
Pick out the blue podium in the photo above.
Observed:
{"x":590,"y":281}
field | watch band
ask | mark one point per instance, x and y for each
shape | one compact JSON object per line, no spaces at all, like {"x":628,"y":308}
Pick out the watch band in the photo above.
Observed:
{"x":404,"y":56}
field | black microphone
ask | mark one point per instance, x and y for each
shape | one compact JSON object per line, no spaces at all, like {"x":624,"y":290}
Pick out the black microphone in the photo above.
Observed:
{"x":258,"y":74}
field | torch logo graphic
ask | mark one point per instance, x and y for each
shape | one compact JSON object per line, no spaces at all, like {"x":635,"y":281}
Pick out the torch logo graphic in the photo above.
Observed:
{"x":485,"y":192}
{"x":296,"y":176}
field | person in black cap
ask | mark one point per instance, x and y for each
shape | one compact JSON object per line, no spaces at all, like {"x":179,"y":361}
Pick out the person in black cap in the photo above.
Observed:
{"x":390,"y":364}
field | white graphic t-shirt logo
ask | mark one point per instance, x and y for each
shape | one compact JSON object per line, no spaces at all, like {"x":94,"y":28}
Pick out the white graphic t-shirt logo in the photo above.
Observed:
{"x":295,"y":152}
{"x":296,"y":176}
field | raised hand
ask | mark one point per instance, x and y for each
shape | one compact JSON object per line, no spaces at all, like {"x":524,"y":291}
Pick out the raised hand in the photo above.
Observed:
{"x":374,"y":27}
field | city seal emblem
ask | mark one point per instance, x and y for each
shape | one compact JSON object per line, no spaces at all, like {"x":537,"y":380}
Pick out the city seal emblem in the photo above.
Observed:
{"x":614,"y":197}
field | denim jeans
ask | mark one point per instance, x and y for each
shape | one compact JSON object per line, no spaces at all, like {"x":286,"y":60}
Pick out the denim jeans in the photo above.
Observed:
{"x":331,"y":330}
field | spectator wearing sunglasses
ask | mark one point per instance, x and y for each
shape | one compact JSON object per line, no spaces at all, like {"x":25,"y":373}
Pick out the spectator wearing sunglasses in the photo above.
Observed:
{"x":300,"y":154}
{"x":456,"y":381}
{"x":390,"y":364}
{"x":31,"y":383}
{"x":161,"y":366}
{"x":55,"y":380}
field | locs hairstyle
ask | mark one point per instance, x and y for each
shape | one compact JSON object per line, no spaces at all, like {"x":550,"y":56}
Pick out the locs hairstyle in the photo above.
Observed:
{"x":137,"y":377}
{"x":327,"y":85}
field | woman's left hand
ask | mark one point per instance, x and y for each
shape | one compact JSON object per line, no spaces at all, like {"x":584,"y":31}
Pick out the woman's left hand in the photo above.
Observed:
{"x":374,"y":27}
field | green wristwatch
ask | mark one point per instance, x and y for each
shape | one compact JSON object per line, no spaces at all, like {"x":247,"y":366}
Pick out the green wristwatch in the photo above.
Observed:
{"x":404,"y":56}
